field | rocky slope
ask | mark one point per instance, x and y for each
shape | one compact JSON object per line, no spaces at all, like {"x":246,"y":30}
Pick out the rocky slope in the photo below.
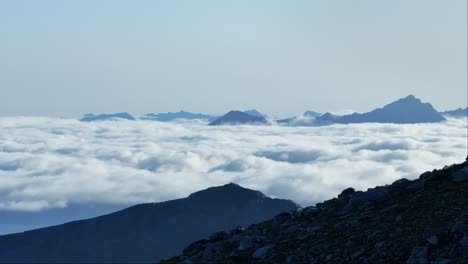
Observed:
{"x":143,"y":233}
{"x":419,"y":221}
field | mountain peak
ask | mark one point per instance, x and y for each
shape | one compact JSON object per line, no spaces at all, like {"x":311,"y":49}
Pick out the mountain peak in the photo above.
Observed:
{"x":238,"y":117}
{"x":410,"y":97}
{"x":228,"y":191}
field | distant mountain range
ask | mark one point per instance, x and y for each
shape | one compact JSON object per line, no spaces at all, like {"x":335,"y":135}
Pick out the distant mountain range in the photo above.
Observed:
{"x":239,"y":118}
{"x":167,"y":117}
{"x":101,"y":117}
{"x":143,"y":233}
{"x":408,"y":110}
{"x":456,"y":113}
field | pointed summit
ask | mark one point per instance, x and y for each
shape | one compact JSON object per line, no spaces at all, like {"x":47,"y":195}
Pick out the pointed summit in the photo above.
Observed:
{"x":410,"y":98}
{"x":408,"y":110}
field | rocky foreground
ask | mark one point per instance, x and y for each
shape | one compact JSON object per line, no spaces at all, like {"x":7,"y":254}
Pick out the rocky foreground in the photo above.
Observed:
{"x":419,"y":221}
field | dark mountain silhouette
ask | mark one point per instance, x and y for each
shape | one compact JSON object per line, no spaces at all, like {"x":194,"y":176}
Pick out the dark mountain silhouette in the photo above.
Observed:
{"x":254,"y":112}
{"x":165,"y":117}
{"x":143,"y":233}
{"x":238,"y":118}
{"x":456,"y":113}
{"x":92,"y":117}
{"x":408,"y":110}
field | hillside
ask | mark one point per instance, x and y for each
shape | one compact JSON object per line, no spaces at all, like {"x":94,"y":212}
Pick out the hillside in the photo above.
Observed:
{"x":145,"y":232}
{"x":419,"y":221}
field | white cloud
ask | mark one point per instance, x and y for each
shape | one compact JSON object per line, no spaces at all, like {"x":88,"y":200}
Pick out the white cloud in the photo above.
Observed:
{"x":49,"y":163}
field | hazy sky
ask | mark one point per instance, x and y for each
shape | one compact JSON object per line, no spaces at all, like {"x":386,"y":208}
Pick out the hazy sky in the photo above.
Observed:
{"x":66,"y":58}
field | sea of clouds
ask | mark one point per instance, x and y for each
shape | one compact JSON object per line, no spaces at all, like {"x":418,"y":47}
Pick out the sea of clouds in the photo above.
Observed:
{"x":50,"y":163}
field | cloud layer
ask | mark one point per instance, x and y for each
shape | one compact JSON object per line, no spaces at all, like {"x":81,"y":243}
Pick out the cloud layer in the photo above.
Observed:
{"x":52,"y":163}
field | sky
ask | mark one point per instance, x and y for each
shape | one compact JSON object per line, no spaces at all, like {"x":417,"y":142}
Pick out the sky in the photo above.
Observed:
{"x":68,"y":58}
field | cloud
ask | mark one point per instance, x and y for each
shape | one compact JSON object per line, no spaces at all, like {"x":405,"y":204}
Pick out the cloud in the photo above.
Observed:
{"x":54,"y":163}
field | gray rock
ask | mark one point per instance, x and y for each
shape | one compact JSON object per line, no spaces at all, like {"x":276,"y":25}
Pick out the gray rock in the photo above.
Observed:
{"x":400,"y":181}
{"x":346,"y":193}
{"x":357,"y":254}
{"x":218,"y":236}
{"x":310,"y":211}
{"x":425,"y":175}
{"x":440,"y":261}
{"x":379,"y":244}
{"x":461,"y":175}
{"x":292,"y":229}
{"x":261,"y":252}
{"x":209,"y":251}
{"x":283,"y":217}
{"x":245,"y":243}
{"x":433,"y":240}
{"x":313,"y":229}
{"x":464,"y":241}
{"x":418,"y":256}
{"x":236,"y":231}
{"x":195,"y":245}
{"x":389,"y":208}
{"x":415,"y":187}
{"x":360,"y":199}
{"x":458,"y":227}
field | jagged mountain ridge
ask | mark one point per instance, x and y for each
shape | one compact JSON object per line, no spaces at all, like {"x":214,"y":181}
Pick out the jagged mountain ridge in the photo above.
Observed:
{"x":419,"y":221}
{"x":143,"y":233}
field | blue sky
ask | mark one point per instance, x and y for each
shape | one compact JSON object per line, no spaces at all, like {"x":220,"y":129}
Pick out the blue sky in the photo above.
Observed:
{"x":66,"y":58}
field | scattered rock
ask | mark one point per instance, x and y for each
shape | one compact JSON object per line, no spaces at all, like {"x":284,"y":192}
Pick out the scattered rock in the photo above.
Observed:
{"x":418,"y":256}
{"x":283,"y":217}
{"x":461,"y":175}
{"x":433,"y":240}
{"x":246,"y":243}
{"x":218,"y":236}
{"x":346,"y":193}
{"x":400,"y":181}
{"x":360,"y":199}
{"x":260,"y":253}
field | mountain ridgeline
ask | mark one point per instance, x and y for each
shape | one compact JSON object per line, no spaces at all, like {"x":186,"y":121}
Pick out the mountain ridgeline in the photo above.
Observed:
{"x":419,"y":221}
{"x":143,"y":233}
{"x":239,"y":118}
{"x":167,"y":117}
{"x":408,"y":110}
